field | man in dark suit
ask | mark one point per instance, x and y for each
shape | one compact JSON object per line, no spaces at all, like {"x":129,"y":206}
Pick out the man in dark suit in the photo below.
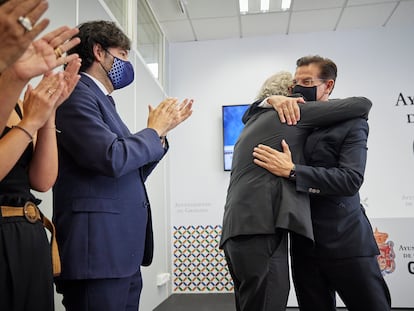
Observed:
{"x":343,"y":258}
{"x":101,"y":208}
{"x":262,"y":208}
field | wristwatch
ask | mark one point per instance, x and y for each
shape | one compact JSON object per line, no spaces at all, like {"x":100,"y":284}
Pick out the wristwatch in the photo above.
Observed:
{"x":292,"y":174}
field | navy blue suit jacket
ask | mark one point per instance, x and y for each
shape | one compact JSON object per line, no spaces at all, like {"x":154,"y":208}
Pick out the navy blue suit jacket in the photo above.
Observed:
{"x":101,"y":209}
{"x":335,"y":158}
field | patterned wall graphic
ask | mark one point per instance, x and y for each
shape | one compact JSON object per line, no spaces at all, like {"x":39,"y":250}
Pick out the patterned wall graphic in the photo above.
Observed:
{"x":198,"y":264}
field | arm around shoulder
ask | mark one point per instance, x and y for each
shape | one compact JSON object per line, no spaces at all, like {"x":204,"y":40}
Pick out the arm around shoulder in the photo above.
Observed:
{"x":360,"y":106}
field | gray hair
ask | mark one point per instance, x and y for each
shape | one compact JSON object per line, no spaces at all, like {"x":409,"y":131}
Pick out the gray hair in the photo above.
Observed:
{"x":277,"y":84}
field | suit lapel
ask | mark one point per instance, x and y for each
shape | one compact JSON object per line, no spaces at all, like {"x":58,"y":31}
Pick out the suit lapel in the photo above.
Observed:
{"x":107,"y":107}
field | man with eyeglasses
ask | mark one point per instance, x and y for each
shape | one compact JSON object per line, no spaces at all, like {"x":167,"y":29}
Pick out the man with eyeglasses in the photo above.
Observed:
{"x":343,"y":258}
{"x":261,"y":208}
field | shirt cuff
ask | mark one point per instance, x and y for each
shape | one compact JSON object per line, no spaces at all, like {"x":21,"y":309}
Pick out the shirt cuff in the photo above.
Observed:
{"x":264,"y":104}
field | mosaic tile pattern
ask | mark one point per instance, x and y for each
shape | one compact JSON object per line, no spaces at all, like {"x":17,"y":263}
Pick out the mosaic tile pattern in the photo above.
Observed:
{"x":198,"y":264}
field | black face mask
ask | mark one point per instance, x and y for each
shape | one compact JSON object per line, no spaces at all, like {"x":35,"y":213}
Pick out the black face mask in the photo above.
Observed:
{"x":308,"y":92}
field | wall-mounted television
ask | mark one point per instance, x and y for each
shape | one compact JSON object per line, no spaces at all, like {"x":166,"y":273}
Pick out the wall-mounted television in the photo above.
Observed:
{"x":232,"y":126}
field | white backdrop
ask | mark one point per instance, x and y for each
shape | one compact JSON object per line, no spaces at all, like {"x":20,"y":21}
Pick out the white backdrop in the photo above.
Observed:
{"x":374,"y":63}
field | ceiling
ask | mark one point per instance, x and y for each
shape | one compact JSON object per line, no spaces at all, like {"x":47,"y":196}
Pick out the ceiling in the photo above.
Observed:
{"x":197,"y":20}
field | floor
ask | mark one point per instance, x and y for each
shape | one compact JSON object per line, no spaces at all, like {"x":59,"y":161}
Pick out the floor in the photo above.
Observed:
{"x":208,"y":302}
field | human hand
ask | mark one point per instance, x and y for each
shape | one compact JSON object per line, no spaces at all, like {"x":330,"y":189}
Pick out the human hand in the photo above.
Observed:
{"x":276,"y":162}
{"x":40,"y":102}
{"x":286,"y":107}
{"x":168,"y":114}
{"x":45,"y":54}
{"x":13,"y":37}
{"x":70,"y":79}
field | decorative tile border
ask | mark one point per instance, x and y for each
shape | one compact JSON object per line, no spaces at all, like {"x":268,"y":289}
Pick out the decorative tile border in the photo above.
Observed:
{"x":198,"y":264}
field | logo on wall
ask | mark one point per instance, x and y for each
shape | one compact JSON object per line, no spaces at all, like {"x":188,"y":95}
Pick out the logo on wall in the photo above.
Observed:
{"x":386,"y":258}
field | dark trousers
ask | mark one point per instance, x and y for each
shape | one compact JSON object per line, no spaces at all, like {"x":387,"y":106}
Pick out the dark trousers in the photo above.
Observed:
{"x":357,"y":280}
{"x":121,"y":294}
{"x":26,"y":278}
{"x":259,"y":267}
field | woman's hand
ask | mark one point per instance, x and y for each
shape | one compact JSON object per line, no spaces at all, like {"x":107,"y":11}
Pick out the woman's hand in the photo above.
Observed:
{"x":13,"y":37}
{"x":47,"y":53}
{"x":40,"y":102}
{"x":70,"y":79}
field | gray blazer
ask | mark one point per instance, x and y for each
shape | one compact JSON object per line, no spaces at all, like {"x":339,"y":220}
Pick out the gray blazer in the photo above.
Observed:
{"x":259,"y":202}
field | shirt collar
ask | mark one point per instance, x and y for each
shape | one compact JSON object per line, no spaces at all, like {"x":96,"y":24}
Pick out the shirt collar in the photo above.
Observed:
{"x":97,"y":82}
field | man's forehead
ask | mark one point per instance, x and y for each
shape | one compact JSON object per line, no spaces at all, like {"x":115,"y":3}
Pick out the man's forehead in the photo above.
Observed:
{"x":307,"y":71}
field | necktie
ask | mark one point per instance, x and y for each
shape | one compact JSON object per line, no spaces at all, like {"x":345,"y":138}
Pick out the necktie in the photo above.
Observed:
{"x":111,"y":99}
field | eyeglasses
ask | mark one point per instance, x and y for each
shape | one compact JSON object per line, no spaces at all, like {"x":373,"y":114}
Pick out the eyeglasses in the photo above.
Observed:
{"x":306,"y":82}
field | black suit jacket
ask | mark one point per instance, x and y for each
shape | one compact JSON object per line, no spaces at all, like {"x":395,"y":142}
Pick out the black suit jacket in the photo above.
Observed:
{"x":259,"y":202}
{"x":336,"y":157}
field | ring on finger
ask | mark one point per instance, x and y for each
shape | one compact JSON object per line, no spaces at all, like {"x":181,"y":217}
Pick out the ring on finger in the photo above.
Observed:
{"x":58,"y":52}
{"x":51,"y":91}
{"x":25,"y":22}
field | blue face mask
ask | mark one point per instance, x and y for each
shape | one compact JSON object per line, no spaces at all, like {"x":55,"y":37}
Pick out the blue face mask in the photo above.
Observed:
{"x":121,"y":73}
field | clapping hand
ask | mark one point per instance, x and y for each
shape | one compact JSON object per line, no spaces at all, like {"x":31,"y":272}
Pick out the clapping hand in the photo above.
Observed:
{"x":70,"y":79}
{"x":40,"y":102}
{"x":14,"y":38}
{"x":168,"y":114}
{"x":47,"y":53}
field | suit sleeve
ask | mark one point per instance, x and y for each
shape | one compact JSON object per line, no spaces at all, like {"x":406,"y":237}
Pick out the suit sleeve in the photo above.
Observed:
{"x":147,"y":169}
{"x":99,"y":141}
{"x":318,"y":114}
{"x":252,"y":110}
{"x":322,"y":114}
{"x":341,"y":176}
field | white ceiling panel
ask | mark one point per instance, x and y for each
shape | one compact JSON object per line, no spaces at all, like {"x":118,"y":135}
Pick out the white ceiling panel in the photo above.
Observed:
{"x":366,"y":16}
{"x":219,"y":19}
{"x":403,"y":15}
{"x":218,"y":28}
{"x":363,"y":2}
{"x":178,"y":31}
{"x":264,"y":24}
{"x":313,"y":21}
{"x":166,"y":10}
{"x":211,"y":8}
{"x":300,"y":5}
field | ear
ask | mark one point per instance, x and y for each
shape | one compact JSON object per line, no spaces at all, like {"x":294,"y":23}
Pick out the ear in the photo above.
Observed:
{"x":98,"y":52}
{"x":330,"y":86}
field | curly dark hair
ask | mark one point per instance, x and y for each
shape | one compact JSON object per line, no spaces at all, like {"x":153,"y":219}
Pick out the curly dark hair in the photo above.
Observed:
{"x":105,"y":33}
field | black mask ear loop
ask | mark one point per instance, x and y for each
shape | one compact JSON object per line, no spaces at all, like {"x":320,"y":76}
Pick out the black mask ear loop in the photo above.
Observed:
{"x":107,"y":52}
{"x":107,"y":72}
